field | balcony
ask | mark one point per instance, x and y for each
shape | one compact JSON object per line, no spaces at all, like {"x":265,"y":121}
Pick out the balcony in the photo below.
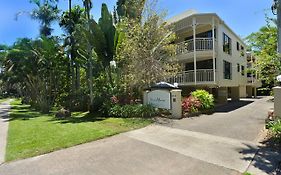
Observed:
{"x":252,"y":81}
{"x":204,"y":48}
{"x":203,"y":76}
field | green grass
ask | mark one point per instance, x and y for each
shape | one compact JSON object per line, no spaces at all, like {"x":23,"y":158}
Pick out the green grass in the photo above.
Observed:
{"x":3,"y":100}
{"x":246,"y":173}
{"x":32,"y":133}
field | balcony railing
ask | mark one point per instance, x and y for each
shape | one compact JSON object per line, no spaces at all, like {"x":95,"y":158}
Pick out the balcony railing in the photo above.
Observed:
{"x":202,"y":75}
{"x":202,"y":44}
{"x":251,"y":80}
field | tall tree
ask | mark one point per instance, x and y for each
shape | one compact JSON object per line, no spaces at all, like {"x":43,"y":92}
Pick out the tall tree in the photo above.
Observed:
{"x":130,"y":8}
{"x":88,"y":6}
{"x":264,"y":45}
{"x":145,"y":54}
{"x":46,"y":12}
{"x":69,"y":21}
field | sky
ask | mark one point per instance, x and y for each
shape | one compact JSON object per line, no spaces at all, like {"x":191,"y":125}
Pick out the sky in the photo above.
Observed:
{"x":243,"y":16}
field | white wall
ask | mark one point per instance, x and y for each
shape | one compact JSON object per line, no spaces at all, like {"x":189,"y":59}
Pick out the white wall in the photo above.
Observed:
{"x":234,"y":58}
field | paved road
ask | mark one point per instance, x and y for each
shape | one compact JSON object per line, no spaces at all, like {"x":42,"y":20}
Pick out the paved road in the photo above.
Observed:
{"x":217,"y":144}
{"x":4,"y":109}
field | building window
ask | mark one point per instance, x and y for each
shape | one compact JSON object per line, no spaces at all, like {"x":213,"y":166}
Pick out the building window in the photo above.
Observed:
{"x":243,"y":70}
{"x":238,"y":67}
{"x":226,"y":44}
{"x":227,"y":70}
{"x":238,"y":46}
{"x":242,"y":51}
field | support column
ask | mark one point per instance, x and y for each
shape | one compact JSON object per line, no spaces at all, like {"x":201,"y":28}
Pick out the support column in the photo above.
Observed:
{"x":145,"y":97}
{"x":214,"y":51}
{"x":235,"y":95}
{"x":176,"y":103}
{"x":194,"y":49}
{"x":255,"y":92}
{"x":249,"y":90}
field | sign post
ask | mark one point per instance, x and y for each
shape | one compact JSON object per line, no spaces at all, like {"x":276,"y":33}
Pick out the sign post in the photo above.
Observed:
{"x":169,"y":99}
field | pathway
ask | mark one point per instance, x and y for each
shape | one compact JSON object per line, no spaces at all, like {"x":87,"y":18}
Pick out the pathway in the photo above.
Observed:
{"x":4,"y":109}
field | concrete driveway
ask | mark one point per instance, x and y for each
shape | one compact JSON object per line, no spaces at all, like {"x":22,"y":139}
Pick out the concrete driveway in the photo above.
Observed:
{"x":218,"y":144}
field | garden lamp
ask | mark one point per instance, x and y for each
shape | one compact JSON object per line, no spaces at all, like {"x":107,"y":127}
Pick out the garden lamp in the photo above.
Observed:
{"x":279,"y":79}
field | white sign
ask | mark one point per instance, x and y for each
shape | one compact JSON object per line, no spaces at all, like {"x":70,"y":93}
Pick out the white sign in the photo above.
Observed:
{"x":160,"y":99}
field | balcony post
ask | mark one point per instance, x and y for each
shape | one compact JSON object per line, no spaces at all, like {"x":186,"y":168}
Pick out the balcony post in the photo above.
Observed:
{"x":194,"y":49}
{"x":251,"y":67}
{"x":214,"y":51}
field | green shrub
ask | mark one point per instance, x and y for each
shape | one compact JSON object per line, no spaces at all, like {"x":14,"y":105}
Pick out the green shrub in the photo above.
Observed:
{"x":206,"y":99}
{"x":132,"y":111}
{"x":275,"y":127}
{"x":191,"y":104}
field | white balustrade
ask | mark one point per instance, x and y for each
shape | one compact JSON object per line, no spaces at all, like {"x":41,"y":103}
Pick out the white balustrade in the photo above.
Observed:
{"x":202,"y":44}
{"x":185,"y":77}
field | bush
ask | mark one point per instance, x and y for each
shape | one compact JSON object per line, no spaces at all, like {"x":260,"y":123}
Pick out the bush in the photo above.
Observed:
{"x":191,"y":104}
{"x":206,"y":99}
{"x":132,"y":111}
{"x":275,"y":127}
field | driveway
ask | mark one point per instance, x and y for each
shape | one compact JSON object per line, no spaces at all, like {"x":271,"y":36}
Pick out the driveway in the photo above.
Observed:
{"x":218,"y":144}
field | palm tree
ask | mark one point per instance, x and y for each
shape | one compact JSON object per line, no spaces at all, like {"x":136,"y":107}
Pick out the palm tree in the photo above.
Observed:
{"x":69,"y":21}
{"x":46,"y":12}
{"x":88,"y":6}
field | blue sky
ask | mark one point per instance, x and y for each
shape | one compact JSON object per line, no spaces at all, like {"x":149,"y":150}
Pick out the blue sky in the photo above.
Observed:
{"x":243,"y":16}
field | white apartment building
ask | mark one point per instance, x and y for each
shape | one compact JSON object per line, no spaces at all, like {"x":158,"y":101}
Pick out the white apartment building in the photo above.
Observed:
{"x":211,"y":55}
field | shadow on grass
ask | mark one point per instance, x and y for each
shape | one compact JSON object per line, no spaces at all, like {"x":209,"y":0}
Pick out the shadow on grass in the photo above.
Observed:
{"x":267,"y":156}
{"x":79,"y":119}
{"x":22,"y":112}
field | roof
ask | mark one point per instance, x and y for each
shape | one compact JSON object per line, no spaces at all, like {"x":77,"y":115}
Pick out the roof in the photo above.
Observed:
{"x":164,"y":85}
{"x":181,"y":16}
{"x":193,"y":13}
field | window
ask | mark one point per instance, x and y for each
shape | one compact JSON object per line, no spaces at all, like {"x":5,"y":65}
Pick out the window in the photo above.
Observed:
{"x":227,"y":70}
{"x":243,"y":70}
{"x":238,"y":67}
{"x":242,"y":51}
{"x":238,"y":46}
{"x":226,"y":44}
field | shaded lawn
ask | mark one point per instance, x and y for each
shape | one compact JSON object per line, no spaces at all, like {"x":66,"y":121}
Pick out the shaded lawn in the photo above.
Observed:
{"x":3,"y":100}
{"x":31,"y":133}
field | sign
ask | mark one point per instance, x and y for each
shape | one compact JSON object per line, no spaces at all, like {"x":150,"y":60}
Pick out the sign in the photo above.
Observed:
{"x":159,"y":99}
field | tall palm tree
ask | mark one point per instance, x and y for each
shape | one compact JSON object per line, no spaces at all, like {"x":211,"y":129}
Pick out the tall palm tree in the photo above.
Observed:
{"x":46,"y":12}
{"x":69,"y":21}
{"x":88,"y":6}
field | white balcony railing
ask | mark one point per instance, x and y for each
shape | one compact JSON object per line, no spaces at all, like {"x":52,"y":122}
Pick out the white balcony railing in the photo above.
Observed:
{"x":251,"y":79}
{"x":185,"y":77}
{"x":202,"y":44}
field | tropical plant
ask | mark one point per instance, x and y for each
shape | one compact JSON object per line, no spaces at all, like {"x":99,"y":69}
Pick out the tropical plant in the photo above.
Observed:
{"x":130,"y":9}
{"x":264,"y":45}
{"x":46,"y":12}
{"x":191,"y":104}
{"x":206,"y":99}
{"x":144,"y":51}
{"x":275,"y":128}
{"x":69,"y":21}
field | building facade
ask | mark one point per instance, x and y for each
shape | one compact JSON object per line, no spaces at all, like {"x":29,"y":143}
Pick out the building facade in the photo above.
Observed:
{"x":211,"y":56}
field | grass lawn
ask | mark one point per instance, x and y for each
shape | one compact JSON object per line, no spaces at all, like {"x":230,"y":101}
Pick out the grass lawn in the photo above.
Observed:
{"x":31,"y":133}
{"x":3,"y":100}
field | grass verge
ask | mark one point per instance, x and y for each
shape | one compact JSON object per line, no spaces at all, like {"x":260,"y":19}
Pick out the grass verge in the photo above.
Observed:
{"x":32,"y":133}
